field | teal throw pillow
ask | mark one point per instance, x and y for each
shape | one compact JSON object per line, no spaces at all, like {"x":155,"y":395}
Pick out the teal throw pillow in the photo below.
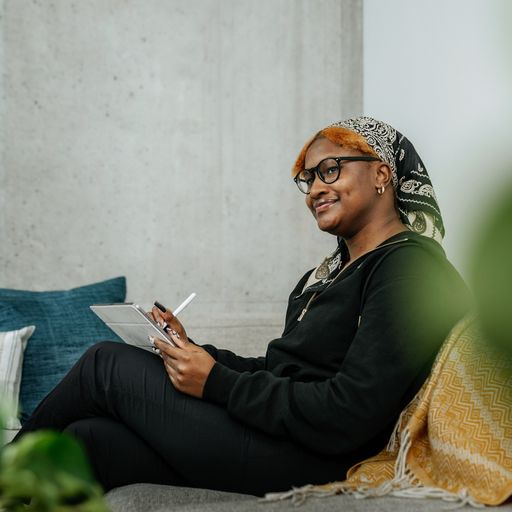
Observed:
{"x":65,"y":328}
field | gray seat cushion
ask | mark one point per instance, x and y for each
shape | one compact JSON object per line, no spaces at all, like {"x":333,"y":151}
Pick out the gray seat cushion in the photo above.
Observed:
{"x":153,"y":498}
{"x":160,"y":498}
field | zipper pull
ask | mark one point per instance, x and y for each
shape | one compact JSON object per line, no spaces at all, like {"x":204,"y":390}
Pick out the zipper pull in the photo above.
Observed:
{"x":302,"y":313}
{"x":305,"y":310}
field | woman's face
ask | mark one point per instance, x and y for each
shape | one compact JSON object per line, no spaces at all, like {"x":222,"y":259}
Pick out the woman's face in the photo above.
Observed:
{"x":344,"y":207}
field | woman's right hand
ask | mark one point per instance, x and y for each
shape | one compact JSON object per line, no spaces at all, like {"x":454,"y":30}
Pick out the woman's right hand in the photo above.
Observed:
{"x":167,"y":319}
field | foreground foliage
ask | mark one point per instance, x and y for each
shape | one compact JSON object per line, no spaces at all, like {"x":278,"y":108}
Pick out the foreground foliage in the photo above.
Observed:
{"x":47,"y":471}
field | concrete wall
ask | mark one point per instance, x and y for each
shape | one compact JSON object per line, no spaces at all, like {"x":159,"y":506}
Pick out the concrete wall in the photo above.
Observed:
{"x":154,"y":138}
{"x":441,"y":72}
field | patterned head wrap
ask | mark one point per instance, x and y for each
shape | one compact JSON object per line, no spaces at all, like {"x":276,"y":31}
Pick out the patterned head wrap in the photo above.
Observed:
{"x":416,"y":199}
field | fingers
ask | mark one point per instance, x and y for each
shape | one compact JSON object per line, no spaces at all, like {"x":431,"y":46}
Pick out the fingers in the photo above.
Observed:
{"x":171,"y":372}
{"x":157,"y":313}
{"x":166,"y":348}
{"x":170,"y":364}
{"x":166,"y":318}
{"x":173,"y":368}
{"x":158,"y":317}
{"x":177,"y":339}
{"x":154,"y":348}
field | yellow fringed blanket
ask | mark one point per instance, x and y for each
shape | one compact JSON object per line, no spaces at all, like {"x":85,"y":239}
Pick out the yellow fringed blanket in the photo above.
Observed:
{"x":453,"y":441}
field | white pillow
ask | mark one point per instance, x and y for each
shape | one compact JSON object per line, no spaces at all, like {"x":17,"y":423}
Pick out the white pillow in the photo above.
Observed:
{"x":12,"y":346}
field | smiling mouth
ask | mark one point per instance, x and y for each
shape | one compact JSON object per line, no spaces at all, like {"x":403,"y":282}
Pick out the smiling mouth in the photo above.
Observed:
{"x":324,"y":205}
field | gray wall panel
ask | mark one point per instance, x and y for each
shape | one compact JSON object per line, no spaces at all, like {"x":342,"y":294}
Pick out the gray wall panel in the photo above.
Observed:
{"x":154,"y":139}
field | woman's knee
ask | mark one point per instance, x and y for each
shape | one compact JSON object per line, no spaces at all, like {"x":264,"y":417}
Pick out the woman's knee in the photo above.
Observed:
{"x":117,"y":364}
{"x":104,"y":352}
{"x":104,"y":347}
{"x":97,"y":363}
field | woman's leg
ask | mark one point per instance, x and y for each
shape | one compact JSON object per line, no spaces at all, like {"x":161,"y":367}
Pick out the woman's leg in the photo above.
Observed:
{"x":197,"y":440}
{"x":119,"y":457}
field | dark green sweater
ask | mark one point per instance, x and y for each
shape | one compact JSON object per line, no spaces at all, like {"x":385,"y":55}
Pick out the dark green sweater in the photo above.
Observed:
{"x":336,"y":381}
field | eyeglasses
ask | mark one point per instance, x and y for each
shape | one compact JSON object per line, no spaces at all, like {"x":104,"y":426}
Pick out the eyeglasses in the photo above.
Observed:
{"x":328,"y":170}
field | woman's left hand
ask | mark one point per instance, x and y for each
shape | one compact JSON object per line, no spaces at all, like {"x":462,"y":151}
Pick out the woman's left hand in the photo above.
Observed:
{"x":187,"y":365}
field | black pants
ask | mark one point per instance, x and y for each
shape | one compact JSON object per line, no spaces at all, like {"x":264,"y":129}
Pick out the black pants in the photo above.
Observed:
{"x":119,"y":402}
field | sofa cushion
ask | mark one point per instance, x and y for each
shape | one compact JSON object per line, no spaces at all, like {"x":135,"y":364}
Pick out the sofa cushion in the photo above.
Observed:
{"x":65,"y":327}
{"x":154,"y":497}
{"x":12,"y":348}
{"x":162,"y":498}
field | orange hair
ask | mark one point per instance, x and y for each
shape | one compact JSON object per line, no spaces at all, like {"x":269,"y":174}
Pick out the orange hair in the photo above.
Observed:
{"x":340,"y":136}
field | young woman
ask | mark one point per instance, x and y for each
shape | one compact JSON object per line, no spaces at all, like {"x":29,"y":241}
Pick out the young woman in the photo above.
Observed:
{"x":360,"y":335}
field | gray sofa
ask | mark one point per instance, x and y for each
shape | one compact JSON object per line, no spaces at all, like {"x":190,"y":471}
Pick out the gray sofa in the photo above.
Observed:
{"x":160,"y":498}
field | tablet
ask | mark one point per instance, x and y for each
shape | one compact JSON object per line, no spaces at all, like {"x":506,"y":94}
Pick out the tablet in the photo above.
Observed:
{"x":131,"y":323}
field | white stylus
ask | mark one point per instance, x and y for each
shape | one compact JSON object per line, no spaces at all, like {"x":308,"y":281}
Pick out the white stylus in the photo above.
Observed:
{"x":184,"y":304}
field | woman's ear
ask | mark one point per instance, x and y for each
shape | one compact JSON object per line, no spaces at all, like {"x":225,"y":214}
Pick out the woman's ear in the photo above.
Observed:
{"x":383,"y":175}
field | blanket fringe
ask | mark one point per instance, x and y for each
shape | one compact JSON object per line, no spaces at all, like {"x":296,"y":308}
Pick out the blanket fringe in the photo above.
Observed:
{"x":298,"y":495}
{"x":403,"y":485}
{"x":394,"y":439}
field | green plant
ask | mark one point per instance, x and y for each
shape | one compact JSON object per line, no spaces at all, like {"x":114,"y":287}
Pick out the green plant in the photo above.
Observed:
{"x":491,"y":274}
{"x":47,"y":471}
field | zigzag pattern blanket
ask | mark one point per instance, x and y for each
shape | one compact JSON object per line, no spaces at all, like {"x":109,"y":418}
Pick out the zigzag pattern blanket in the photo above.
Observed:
{"x":453,"y":441}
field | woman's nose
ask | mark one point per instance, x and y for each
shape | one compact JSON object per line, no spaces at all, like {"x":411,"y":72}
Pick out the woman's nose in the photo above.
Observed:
{"x":317,"y":187}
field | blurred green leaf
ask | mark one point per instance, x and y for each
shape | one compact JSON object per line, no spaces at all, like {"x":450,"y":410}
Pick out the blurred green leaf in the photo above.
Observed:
{"x":47,"y":471}
{"x":491,"y":274}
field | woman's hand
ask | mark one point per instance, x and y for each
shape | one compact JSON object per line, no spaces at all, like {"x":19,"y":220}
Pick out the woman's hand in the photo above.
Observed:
{"x":167,"y":319}
{"x":187,"y":365}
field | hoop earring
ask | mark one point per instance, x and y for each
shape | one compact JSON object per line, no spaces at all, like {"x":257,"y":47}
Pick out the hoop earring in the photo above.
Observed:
{"x":381,"y":189}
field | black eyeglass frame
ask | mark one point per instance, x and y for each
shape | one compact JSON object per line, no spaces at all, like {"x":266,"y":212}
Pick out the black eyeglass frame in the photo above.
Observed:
{"x":337,"y":159}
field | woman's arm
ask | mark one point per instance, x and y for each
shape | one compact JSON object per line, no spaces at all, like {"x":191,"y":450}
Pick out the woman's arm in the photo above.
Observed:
{"x":234,"y":361}
{"x":188,"y":364}
{"x":407,"y":312}
{"x":225,"y":357}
